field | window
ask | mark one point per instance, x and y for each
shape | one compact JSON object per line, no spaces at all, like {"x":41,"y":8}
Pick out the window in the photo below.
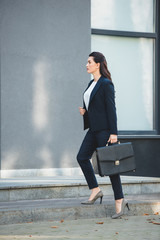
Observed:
{"x":125,"y":15}
{"x":125,"y":32}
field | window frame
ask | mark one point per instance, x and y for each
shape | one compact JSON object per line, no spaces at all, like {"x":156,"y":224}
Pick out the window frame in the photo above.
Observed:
{"x":156,"y":76}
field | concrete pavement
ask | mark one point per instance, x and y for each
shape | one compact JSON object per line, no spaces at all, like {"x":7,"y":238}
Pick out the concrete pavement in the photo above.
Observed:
{"x":145,"y":227}
{"x":48,"y":208}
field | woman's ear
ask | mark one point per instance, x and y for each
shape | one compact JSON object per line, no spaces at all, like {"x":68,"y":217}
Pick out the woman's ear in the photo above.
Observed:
{"x":98,"y":65}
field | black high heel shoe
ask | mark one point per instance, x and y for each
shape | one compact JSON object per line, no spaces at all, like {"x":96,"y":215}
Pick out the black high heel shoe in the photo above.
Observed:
{"x":124,"y":203}
{"x":98,"y":195}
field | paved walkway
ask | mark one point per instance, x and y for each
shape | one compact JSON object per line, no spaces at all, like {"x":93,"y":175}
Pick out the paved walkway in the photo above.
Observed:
{"x":144,"y":227}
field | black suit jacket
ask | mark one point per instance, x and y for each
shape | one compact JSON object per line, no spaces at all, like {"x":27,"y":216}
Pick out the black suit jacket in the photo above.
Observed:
{"x":101,"y":113}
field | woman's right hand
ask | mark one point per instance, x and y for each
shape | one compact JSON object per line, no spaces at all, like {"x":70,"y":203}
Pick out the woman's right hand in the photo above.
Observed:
{"x":82,"y":111}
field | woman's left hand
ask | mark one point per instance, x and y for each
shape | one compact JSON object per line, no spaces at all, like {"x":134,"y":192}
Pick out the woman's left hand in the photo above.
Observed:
{"x":113,"y":138}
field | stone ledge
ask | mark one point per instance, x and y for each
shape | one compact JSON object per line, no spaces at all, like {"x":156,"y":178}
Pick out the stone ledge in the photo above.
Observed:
{"x":64,"y":181}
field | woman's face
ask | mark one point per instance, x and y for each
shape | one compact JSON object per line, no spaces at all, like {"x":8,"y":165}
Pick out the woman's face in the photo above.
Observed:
{"x":92,"y":66}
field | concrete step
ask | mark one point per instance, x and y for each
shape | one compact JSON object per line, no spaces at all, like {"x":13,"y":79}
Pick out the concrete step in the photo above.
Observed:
{"x":71,"y":208}
{"x":16,"y":189}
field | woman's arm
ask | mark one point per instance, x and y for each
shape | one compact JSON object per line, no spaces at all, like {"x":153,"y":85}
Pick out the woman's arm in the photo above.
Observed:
{"x":111,"y":111}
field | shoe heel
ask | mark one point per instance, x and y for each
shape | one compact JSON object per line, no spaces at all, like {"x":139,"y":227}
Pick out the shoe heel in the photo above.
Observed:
{"x":101,"y":200}
{"x":128,"y":206}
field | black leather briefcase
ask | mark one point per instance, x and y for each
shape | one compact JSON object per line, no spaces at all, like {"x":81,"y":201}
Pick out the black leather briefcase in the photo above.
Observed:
{"x":114,"y":159}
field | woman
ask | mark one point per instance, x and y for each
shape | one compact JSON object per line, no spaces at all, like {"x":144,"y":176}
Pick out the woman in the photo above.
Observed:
{"x":99,"y":115}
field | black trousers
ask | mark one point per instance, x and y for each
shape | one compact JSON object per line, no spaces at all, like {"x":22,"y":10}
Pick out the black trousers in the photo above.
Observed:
{"x":91,"y":141}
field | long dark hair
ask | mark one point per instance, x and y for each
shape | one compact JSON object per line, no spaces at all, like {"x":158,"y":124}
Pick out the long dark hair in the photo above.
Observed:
{"x":100,"y":58}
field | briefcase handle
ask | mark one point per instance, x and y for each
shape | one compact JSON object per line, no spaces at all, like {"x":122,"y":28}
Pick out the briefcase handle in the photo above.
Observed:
{"x":108,"y":143}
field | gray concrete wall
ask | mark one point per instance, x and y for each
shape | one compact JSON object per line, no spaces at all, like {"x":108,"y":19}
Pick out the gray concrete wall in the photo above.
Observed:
{"x":44,"y":48}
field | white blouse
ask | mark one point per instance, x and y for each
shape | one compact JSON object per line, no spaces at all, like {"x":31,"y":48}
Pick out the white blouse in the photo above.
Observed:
{"x":88,"y":92}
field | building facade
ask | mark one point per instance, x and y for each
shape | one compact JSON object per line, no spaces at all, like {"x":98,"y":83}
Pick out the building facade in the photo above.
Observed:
{"x":44,"y":46}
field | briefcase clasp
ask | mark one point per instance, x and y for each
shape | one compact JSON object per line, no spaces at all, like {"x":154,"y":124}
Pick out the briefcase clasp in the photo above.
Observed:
{"x":117,"y":162}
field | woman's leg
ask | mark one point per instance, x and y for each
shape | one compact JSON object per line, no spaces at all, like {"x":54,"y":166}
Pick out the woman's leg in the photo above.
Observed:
{"x":117,"y":186}
{"x":84,"y":155}
{"x":118,"y":192}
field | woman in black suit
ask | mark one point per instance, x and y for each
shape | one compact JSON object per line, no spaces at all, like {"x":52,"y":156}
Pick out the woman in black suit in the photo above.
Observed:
{"x":99,"y":115}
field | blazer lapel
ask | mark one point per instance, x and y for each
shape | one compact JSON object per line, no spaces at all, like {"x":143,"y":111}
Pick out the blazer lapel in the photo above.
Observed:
{"x":84,"y":106}
{"x":95,"y":89}
{"x":88,"y":85}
